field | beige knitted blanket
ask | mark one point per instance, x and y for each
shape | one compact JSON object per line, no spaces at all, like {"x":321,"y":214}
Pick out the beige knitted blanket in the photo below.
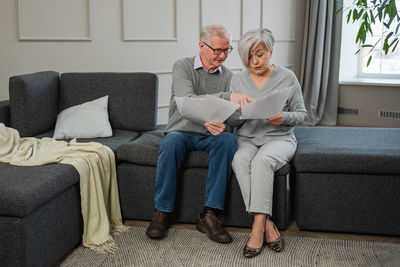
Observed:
{"x":98,"y":182}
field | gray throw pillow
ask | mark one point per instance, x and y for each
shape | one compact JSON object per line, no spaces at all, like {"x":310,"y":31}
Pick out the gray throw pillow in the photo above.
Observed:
{"x":87,"y":120}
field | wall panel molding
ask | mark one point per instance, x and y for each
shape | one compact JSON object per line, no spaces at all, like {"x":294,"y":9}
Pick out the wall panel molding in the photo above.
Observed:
{"x":49,"y":20}
{"x":214,"y":12}
{"x":164,"y":87}
{"x":280,"y":18}
{"x":163,"y":106}
{"x":252,"y":14}
{"x":141,"y":20}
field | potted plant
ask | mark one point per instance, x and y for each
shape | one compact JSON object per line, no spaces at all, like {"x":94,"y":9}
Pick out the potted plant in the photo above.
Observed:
{"x":368,"y":12}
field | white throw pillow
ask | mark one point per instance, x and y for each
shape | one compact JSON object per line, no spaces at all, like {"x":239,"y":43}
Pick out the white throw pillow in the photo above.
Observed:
{"x":87,"y":120}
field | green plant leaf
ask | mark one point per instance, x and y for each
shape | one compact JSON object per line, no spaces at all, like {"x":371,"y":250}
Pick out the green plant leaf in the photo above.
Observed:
{"x":389,"y":35}
{"x":363,"y":36}
{"x":369,"y":29}
{"x":371,"y":15}
{"x":380,"y":15}
{"x":355,"y":14}
{"x":362,"y":3}
{"x":369,"y":60}
{"x":395,"y":46}
{"x":361,"y":14}
{"x":361,"y":30}
{"x":393,"y":41}
{"x":348,"y":16}
{"x":392,"y":9}
{"x":385,"y":47}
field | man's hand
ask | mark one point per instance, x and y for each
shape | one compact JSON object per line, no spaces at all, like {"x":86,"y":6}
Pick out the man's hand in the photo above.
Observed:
{"x":277,"y":119}
{"x":215,"y":128}
{"x":240,"y":99}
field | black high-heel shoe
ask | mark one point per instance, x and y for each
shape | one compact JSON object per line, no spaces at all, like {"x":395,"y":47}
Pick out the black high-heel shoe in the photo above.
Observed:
{"x":249,"y":252}
{"x":276,"y":245}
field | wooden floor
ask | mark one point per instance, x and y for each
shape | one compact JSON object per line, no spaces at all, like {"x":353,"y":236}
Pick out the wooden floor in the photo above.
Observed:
{"x":292,"y":230}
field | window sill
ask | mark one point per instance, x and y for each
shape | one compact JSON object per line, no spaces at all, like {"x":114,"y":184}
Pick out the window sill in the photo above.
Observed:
{"x":370,"y":82}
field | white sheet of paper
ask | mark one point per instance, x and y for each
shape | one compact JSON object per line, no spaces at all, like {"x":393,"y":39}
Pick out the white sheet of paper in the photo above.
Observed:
{"x":179,"y":103}
{"x":266,"y":106}
{"x":208,"y":108}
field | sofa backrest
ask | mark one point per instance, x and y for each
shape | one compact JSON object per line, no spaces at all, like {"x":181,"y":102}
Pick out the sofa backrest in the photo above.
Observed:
{"x":5,"y":112}
{"x":34,"y":102}
{"x":133,"y":97}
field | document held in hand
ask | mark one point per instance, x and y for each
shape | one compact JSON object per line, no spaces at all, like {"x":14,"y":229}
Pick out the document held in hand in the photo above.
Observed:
{"x":266,"y":106}
{"x":204,"y":109}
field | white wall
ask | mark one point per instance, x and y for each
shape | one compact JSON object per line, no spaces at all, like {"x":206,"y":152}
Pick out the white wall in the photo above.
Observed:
{"x":134,"y":35}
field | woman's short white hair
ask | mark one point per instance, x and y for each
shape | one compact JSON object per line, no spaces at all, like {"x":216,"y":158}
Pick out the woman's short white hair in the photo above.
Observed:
{"x":251,"y":39}
{"x":214,"y":30}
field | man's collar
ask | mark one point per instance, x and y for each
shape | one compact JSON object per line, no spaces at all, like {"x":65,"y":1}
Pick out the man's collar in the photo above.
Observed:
{"x":198,"y":64}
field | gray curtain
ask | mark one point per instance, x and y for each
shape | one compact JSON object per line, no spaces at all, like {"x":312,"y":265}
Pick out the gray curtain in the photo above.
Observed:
{"x":321,"y":61}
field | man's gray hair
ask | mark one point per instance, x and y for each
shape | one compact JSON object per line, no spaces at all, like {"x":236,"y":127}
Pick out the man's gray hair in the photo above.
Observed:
{"x":251,"y":39}
{"x":214,"y":30}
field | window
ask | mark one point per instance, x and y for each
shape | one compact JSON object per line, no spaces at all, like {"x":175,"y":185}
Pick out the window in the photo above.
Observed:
{"x":383,"y":69}
{"x":381,"y":66}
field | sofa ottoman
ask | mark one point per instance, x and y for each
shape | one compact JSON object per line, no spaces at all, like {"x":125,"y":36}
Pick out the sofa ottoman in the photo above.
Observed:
{"x":348,"y":180}
{"x":40,"y":214}
{"x":136,"y":179}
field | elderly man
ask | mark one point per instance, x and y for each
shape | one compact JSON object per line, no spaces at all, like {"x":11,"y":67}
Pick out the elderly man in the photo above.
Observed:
{"x":196,"y":77}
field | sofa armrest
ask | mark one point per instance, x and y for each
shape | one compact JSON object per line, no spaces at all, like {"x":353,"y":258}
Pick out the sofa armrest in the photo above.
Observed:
{"x":5,"y":112}
{"x":143,"y":150}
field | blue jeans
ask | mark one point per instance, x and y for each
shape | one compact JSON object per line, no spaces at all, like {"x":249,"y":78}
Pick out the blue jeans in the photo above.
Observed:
{"x":174,"y":146}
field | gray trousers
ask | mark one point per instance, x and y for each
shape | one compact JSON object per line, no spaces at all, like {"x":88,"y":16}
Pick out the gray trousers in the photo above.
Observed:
{"x":255,"y":164}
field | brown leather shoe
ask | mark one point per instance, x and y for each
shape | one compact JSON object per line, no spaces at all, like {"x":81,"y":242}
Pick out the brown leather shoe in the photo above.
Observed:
{"x":212,"y":226}
{"x":158,"y":226}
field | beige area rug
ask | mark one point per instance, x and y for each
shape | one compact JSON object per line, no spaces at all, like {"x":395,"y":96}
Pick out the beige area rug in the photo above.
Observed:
{"x":184,"y":247}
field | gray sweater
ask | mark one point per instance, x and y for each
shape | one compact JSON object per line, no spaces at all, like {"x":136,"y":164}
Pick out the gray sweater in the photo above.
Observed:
{"x":186,"y":81}
{"x":294,"y":111}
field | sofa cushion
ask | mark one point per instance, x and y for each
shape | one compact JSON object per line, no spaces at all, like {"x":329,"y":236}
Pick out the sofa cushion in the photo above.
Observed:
{"x":87,"y":120}
{"x":132,"y":96}
{"x":347,"y":150}
{"x":22,"y":189}
{"x":144,"y":151}
{"x":34,"y":102}
{"x":118,"y":138}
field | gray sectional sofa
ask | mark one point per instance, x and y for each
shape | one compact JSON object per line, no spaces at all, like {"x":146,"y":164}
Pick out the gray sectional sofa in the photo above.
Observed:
{"x":40,"y":217}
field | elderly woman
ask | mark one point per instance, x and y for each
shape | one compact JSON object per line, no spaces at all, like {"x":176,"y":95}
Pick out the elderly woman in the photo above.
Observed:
{"x":265,"y":145}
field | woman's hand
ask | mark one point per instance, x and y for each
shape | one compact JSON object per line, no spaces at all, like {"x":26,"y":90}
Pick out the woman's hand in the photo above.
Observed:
{"x":215,"y":128}
{"x":277,"y":119}
{"x":240,"y":99}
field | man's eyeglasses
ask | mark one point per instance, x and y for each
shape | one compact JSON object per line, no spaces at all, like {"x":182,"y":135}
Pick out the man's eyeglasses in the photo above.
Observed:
{"x":219,"y":51}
